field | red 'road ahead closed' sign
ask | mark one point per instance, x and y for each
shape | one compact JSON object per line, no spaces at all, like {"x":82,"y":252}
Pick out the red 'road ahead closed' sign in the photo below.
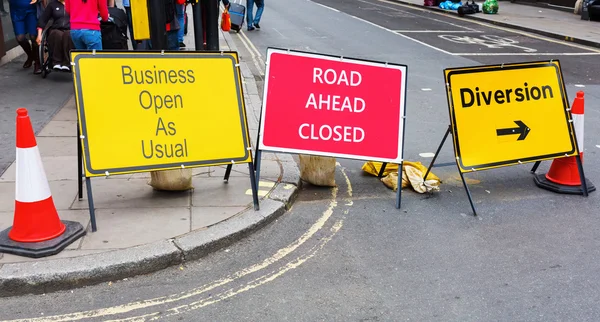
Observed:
{"x":332,"y":106}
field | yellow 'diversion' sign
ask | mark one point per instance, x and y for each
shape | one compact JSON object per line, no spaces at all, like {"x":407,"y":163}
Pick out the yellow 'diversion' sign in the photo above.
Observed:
{"x":149,"y":111}
{"x":508,"y":114}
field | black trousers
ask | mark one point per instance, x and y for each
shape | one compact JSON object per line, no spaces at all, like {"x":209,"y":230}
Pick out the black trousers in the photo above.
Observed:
{"x":60,"y":44}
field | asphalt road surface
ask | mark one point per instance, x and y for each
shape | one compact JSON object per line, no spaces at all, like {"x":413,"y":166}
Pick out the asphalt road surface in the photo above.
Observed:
{"x":347,"y":254}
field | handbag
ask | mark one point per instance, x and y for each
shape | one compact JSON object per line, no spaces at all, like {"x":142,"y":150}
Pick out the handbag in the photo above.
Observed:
{"x":225,"y":21}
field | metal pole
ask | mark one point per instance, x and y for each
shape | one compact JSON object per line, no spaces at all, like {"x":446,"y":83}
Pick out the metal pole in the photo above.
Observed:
{"x":198,"y":30}
{"x":212,"y":24}
{"x":158,"y":28}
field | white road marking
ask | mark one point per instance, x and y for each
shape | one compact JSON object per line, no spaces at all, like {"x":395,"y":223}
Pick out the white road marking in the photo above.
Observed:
{"x":488,"y":25}
{"x":282,"y":36}
{"x":401,"y":35}
{"x":421,"y":17}
{"x":598,"y":146}
{"x":526,"y":54}
{"x":579,"y":85}
{"x":324,"y":6}
{"x":438,"y":31}
{"x":426,"y":155}
{"x":426,"y":89}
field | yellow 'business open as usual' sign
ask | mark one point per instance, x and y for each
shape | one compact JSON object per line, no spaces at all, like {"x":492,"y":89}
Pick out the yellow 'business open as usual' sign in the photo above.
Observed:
{"x":505,"y":114}
{"x":152,"y":111}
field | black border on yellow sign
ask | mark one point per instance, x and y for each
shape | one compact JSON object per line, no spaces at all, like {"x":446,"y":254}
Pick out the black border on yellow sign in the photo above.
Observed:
{"x":448,"y":72}
{"x":77,"y":55}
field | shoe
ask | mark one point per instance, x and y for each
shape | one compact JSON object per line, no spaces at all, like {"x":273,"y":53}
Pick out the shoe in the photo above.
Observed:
{"x":28,"y":63}
{"x":37,"y":69}
{"x":257,"y":26}
{"x":57,"y":67}
{"x":65,"y":68}
{"x":250,"y":28}
{"x":181,"y":45}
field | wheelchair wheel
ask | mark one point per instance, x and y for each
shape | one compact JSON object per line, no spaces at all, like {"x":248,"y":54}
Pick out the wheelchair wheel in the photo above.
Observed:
{"x":44,"y":54}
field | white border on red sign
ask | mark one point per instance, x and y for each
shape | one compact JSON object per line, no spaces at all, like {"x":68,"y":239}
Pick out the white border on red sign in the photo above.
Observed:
{"x":263,"y":147}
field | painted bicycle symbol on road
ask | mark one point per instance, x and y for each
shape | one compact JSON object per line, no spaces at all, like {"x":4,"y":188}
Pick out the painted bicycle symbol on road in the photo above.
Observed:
{"x":490,"y":41}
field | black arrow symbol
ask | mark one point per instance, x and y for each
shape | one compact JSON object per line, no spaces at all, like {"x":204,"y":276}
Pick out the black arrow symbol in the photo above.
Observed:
{"x":523,"y":130}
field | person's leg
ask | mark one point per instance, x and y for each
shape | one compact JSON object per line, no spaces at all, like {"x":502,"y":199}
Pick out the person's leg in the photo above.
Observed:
{"x":77,"y":38}
{"x":92,"y":39}
{"x":179,"y":11}
{"x":55,"y":44}
{"x":31,"y":28}
{"x":260,"y":4}
{"x":17,"y":17}
{"x":173,"y":40}
{"x":67,"y":45}
{"x":249,"y":9}
{"x":130,"y":27}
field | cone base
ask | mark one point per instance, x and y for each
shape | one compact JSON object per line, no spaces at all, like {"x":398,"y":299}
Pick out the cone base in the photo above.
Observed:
{"x":543,"y":182}
{"x":74,"y":231}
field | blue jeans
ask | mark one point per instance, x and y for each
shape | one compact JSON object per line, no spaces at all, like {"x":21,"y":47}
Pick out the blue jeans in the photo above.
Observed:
{"x":260,"y":4}
{"x":180,"y":12}
{"x":86,"y":39}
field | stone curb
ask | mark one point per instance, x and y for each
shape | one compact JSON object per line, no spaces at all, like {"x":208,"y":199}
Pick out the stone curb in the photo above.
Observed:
{"x":67,"y":273}
{"x":509,"y":25}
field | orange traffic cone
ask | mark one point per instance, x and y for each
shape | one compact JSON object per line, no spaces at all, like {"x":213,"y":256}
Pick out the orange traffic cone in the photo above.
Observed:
{"x":37,"y":230}
{"x":563,"y":176}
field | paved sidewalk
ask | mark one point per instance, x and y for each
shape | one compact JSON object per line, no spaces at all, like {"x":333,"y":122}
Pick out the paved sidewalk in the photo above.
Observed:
{"x":548,"y":22}
{"x":141,"y":230}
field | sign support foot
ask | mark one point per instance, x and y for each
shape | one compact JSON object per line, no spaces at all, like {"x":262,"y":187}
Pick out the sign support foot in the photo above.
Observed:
{"x":88,"y":186}
{"x":227,"y":173}
{"x":437,"y":152}
{"x":257,"y":166}
{"x":584,"y":187}
{"x":254,"y":184}
{"x":79,"y":164}
{"x":399,"y":183}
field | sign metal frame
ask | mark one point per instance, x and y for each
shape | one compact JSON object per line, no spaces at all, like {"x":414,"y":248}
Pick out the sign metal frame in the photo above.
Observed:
{"x":448,"y":73}
{"x":402,"y":128}
{"x":453,"y":130}
{"x":85,"y":169}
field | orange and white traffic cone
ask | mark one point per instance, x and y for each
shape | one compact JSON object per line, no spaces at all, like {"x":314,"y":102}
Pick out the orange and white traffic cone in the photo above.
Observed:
{"x":563,"y":176}
{"x":37,"y":230}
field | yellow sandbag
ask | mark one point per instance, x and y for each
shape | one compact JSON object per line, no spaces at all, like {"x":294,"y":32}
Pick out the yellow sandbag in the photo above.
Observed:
{"x":172,"y":180}
{"x":415,"y":176}
{"x":373,"y":168}
{"x":391,"y":180}
{"x":317,"y":170}
{"x":412,"y":175}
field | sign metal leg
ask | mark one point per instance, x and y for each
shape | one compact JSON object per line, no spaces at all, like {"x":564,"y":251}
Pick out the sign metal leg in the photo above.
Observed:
{"x":468,"y":192}
{"x":254,"y":184}
{"x":437,"y":153}
{"x":228,"y":173}
{"x":535,"y":166}
{"x":79,"y":164}
{"x":399,"y":190}
{"x":584,"y":187}
{"x":382,"y":170}
{"x":88,"y":186}
{"x":257,"y":166}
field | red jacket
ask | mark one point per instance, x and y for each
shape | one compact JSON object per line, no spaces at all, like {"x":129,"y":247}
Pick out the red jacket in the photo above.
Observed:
{"x":84,"y":15}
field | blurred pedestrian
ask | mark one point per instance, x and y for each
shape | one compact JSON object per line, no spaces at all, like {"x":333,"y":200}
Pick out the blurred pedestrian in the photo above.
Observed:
{"x":253,"y":22}
{"x":23,"y":14}
{"x":59,"y":36}
{"x":85,"y":26}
